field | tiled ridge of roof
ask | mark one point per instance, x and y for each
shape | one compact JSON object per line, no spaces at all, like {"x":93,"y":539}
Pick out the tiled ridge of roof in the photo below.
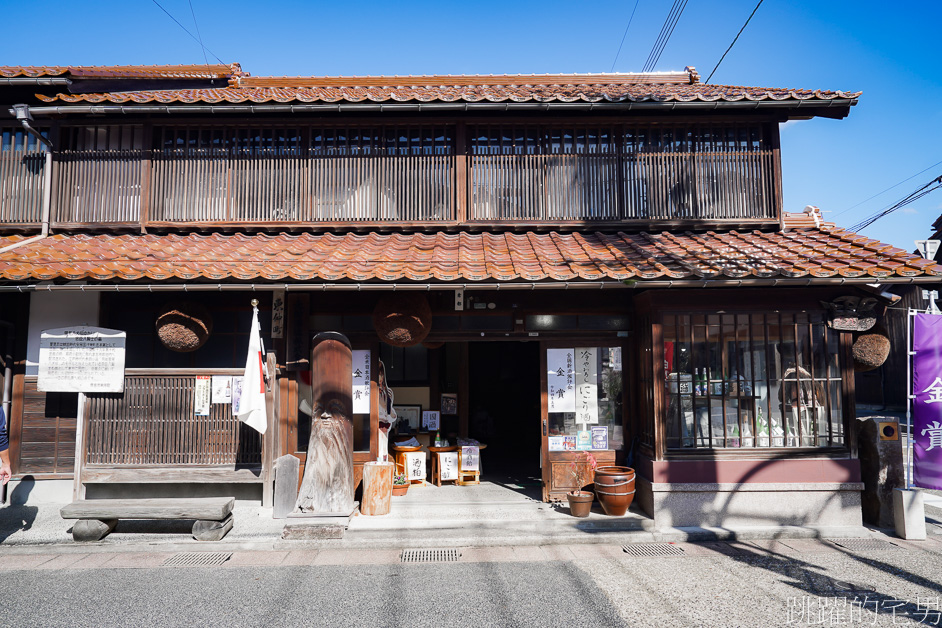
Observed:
{"x":461,"y":93}
{"x":196,"y":71}
{"x":462,"y":256}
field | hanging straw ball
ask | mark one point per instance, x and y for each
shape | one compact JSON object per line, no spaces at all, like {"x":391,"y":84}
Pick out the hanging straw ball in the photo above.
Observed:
{"x":871,"y":349}
{"x":184,"y":326}
{"x":402,"y":319}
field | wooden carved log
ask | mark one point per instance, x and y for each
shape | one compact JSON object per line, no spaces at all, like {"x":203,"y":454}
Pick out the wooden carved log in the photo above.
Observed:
{"x":377,"y":488}
{"x":92,"y":529}
{"x":328,"y":473}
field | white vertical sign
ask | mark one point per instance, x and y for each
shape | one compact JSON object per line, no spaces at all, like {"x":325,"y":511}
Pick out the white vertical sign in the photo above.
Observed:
{"x":448,"y":465}
{"x":560,"y":380}
{"x":587,"y":385}
{"x":361,"y":381}
{"x":201,"y":395}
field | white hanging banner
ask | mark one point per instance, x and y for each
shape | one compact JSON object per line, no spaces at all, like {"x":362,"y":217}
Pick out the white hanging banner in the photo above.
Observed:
{"x":361,"y":381}
{"x":448,"y":465}
{"x":587,"y":385}
{"x":415,"y":465}
{"x":560,"y":380}
{"x":81,"y":359}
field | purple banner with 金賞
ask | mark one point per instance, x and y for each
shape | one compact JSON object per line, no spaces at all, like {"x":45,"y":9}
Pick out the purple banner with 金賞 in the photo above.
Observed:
{"x":927,"y":407}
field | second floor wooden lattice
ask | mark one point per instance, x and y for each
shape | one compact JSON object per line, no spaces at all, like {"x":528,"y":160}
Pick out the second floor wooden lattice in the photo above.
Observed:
{"x":406,"y":173}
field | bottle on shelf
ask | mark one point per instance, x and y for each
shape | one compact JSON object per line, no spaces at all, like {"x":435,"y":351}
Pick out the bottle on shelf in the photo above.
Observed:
{"x":697,"y":390}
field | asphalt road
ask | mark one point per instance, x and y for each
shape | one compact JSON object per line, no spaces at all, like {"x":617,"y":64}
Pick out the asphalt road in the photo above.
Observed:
{"x":800,"y":582}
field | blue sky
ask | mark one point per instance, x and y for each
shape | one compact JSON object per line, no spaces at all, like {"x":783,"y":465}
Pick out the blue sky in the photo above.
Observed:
{"x":890,"y":53}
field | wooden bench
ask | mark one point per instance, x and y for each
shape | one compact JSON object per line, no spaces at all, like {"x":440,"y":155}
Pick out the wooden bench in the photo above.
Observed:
{"x":98,"y":517}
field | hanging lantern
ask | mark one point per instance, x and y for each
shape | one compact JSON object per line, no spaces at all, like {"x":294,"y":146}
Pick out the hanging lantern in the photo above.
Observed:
{"x":402,"y":319}
{"x":184,"y":326}
{"x":871,"y":349}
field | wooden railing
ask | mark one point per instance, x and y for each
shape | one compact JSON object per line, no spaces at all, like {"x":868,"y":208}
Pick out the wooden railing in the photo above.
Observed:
{"x":22,"y":162}
{"x":153,"y":423}
{"x":98,"y":187}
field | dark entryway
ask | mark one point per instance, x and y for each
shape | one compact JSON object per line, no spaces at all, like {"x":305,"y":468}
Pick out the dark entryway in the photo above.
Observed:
{"x":504,"y":380}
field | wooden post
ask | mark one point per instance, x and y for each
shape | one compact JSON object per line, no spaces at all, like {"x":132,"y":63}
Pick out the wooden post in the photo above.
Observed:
{"x":268,"y":438}
{"x":377,"y":488}
{"x":327,"y":486}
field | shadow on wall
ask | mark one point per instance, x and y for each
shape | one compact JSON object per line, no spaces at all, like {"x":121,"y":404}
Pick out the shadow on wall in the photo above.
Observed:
{"x":17,"y":516}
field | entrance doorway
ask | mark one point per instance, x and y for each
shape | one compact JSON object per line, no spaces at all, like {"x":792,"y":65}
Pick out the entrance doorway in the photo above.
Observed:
{"x":504,"y":391}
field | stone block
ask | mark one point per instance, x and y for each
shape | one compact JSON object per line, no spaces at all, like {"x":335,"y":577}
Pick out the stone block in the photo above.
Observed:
{"x":910,"y":515}
{"x":882,"y":471}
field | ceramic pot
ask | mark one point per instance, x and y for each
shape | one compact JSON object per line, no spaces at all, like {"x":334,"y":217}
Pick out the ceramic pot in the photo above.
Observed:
{"x":615,"y":487}
{"x":400,"y":489}
{"x":580,"y":504}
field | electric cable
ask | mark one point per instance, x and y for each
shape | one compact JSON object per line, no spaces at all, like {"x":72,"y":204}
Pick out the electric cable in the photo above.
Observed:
{"x":915,"y":196}
{"x":666,"y":31}
{"x":887,"y":189}
{"x":198,"y":33}
{"x":734,"y":41}
{"x":187,"y":31}
{"x":625,"y":35}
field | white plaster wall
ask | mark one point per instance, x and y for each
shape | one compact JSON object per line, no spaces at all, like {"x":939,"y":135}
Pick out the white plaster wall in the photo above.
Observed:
{"x":48,"y":310}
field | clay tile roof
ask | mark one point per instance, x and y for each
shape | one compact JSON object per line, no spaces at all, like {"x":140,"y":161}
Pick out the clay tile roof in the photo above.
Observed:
{"x":126,"y":71}
{"x":530,"y":256}
{"x":542,"y":88}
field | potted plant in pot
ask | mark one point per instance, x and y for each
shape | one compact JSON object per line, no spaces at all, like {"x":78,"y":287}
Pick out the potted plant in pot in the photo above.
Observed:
{"x":400,"y":484}
{"x":582,"y":469}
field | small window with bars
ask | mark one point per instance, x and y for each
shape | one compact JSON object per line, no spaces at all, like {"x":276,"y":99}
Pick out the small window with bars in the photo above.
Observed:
{"x":752,"y":380}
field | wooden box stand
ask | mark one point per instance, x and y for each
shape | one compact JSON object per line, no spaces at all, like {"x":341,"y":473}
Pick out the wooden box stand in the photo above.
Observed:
{"x":466,"y":478}
{"x":377,"y":488}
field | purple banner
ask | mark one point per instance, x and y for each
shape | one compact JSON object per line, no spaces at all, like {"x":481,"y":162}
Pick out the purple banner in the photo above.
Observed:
{"x":927,"y":407}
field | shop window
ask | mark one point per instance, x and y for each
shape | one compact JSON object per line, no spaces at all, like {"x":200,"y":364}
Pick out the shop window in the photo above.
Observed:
{"x":602,"y":379}
{"x":752,"y":380}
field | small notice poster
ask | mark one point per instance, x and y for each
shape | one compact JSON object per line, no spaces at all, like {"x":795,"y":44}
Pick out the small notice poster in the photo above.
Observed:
{"x":556,"y":443}
{"x":469,"y":458}
{"x":201,"y":395}
{"x":415,"y":465}
{"x":561,"y":380}
{"x":361,"y":381}
{"x":222,"y":389}
{"x":587,"y":385}
{"x":449,"y":403}
{"x":448,"y":465}
{"x":431,"y":420}
{"x":615,"y":357}
{"x":81,"y":359}
{"x":599,"y":437}
{"x":236,"y":394}
{"x":569,"y":443}
{"x":584,"y":440}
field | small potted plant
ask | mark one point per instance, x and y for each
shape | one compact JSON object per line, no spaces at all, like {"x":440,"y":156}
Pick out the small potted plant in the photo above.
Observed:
{"x":400,"y":484}
{"x":582,"y":470}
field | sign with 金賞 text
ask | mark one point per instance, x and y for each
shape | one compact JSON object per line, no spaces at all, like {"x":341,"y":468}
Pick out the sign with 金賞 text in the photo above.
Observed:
{"x":587,"y":385}
{"x":561,"y":380}
{"x":361,"y":381}
{"x":81,"y":359}
{"x":927,"y":407}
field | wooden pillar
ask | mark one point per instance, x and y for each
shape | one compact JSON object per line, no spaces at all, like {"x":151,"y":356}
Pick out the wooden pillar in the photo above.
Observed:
{"x":464,"y":390}
{"x":328,"y":486}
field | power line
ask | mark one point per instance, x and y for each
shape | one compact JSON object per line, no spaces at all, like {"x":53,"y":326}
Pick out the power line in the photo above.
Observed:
{"x":187,"y":31}
{"x":887,"y":189}
{"x":625,"y":35}
{"x":666,"y":31}
{"x":734,"y":40}
{"x":915,"y":196}
{"x":200,"y":35}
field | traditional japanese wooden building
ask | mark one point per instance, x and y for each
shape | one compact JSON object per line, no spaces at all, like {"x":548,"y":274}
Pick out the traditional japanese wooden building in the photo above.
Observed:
{"x":634,"y":220}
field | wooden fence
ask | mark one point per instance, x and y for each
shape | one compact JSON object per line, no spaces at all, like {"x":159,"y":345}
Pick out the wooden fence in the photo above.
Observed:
{"x":22,"y":161}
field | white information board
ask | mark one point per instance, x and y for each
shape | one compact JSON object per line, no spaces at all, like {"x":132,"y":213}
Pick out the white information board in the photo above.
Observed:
{"x":561,"y":380}
{"x":587,"y":385}
{"x":202,"y":395}
{"x":361,"y":381}
{"x":81,"y":359}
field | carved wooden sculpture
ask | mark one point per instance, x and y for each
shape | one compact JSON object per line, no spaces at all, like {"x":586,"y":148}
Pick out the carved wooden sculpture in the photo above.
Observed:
{"x":327,"y":486}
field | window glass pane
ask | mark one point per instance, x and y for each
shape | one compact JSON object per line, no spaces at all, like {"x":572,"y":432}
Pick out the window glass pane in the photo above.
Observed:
{"x":609,"y":400}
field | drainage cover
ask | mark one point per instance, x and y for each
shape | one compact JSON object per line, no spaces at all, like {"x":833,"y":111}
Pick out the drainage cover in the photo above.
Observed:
{"x":197,"y":559}
{"x":653,"y":549}
{"x":429,"y":555}
{"x":864,"y":545}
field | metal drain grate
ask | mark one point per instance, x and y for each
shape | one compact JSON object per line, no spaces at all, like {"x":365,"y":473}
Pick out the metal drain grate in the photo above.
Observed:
{"x":653,"y":549}
{"x":429,"y":555}
{"x":864,"y":545}
{"x":197,"y":559}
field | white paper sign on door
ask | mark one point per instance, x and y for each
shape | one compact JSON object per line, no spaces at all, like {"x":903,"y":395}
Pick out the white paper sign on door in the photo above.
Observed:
{"x":361,"y":381}
{"x":560,"y":380}
{"x":587,"y":385}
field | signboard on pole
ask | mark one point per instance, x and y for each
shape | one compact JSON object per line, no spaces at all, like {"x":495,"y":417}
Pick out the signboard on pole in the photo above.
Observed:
{"x":927,"y":406}
{"x":81,"y":359}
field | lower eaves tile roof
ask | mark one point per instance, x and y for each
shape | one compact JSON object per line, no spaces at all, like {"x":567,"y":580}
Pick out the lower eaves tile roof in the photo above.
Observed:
{"x":461,"y":256}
